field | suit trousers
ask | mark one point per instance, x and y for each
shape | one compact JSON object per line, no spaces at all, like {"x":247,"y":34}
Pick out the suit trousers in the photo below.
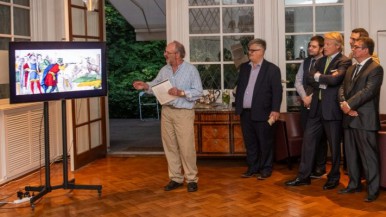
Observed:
{"x":362,"y":148}
{"x":258,"y":140}
{"x":177,"y":132}
{"x":321,"y":149}
{"x":316,"y":127}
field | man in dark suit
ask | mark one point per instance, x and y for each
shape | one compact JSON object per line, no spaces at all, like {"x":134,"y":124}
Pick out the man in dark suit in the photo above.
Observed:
{"x":258,"y":98}
{"x":359,"y":100}
{"x":325,"y":114}
{"x":315,"y":52}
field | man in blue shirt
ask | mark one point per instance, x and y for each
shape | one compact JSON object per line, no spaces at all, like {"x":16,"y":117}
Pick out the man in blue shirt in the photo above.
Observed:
{"x":177,"y":119}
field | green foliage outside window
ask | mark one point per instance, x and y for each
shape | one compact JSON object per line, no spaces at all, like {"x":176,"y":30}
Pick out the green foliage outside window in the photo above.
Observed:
{"x":128,"y":60}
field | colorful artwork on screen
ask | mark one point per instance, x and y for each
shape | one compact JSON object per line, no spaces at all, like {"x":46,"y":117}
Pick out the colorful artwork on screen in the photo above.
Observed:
{"x":56,"y":71}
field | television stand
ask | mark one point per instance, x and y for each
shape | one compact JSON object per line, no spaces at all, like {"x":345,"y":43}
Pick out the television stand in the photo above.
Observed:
{"x":67,"y":184}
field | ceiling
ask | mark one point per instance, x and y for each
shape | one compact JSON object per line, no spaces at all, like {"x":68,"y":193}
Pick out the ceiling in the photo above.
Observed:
{"x":148,"y":17}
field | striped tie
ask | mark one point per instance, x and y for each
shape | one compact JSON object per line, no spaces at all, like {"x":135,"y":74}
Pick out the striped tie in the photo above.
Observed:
{"x":356,"y":72}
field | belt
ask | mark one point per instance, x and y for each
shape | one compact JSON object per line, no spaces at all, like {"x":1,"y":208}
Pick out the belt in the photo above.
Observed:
{"x":172,"y":107}
{"x":247,"y":109}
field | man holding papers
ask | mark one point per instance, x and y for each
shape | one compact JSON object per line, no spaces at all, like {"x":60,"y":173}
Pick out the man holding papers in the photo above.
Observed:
{"x":177,"y":87}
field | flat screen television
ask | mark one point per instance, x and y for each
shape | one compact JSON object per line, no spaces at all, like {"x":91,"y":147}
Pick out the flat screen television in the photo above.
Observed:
{"x":46,"y":71}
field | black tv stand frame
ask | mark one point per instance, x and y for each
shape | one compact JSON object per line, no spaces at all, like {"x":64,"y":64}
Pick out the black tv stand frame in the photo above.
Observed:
{"x":67,"y":184}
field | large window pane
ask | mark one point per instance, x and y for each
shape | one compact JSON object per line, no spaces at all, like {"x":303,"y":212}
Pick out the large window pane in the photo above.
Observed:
{"x":230,"y":76}
{"x":329,"y":18}
{"x":92,"y":23}
{"x":232,"y":40}
{"x":205,"y":49}
{"x":204,"y":20}
{"x":296,"y":46}
{"x":210,"y":75}
{"x":21,"y":20}
{"x":78,"y":28}
{"x":203,"y":2}
{"x":291,"y":70}
{"x":298,"y":19}
{"x":5,"y":15}
{"x":238,"y":19}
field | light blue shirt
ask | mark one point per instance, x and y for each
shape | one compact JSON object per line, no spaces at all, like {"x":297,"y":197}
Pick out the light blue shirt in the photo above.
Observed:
{"x":186,"y":78}
{"x":248,"y":95}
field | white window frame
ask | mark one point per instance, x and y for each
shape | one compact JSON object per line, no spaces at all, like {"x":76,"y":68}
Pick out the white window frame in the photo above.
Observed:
{"x":12,"y":36}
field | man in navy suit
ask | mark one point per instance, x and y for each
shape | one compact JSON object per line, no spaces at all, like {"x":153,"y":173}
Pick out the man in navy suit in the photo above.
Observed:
{"x":258,"y":98}
{"x":359,"y":100}
{"x":325,"y":114}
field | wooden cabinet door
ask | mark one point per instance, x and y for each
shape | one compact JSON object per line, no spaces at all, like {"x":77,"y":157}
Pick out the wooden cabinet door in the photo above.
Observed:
{"x":215,"y":138}
{"x":238,"y":141}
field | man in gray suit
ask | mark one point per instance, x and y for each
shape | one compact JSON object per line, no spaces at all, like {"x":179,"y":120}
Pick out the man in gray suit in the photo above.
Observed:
{"x":359,"y":101}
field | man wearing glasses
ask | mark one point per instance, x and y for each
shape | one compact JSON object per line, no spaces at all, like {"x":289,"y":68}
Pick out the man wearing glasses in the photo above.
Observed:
{"x":359,"y":101}
{"x":258,"y":98}
{"x":355,"y":35}
{"x":177,"y":119}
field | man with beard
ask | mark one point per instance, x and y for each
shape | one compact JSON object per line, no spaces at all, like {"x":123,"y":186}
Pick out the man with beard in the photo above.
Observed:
{"x":177,"y":118}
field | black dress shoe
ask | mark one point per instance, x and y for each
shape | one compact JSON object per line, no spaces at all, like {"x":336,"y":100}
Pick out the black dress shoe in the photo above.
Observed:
{"x":371,"y":197}
{"x":349,"y":190}
{"x":264,"y":176}
{"x":172,"y":185}
{"x":298,"y":182}
{"x":330,"y":185}
{"x":248,"y":175}
{"x":192,"y":186}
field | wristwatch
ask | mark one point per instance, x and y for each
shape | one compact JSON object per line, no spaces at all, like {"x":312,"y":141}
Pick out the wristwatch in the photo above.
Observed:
{"x":182,"y":93}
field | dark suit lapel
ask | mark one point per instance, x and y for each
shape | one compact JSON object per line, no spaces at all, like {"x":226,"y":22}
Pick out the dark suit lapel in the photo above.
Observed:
{"x":333,"y":63}
{"x":364,"y":67}
{"x":351,"y":72}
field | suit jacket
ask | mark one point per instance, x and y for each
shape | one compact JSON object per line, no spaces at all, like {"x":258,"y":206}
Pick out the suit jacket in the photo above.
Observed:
{"x":267,"y":94}
{"x":329,"y":96}
{"x":362,"y":95}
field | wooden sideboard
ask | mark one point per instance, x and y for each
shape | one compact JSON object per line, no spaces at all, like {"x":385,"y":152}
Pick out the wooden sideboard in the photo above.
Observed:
{"x":218,"y":132}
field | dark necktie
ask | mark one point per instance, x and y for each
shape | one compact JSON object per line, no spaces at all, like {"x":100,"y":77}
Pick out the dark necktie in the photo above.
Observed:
{"x":312,"y":64}
{"x":356,"y":72}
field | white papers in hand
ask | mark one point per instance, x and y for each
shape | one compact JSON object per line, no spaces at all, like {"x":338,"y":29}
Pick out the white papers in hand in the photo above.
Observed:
{"x":160,"y":91}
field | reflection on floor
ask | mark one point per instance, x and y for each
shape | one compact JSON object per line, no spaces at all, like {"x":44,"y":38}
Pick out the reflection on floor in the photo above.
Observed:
{"x":135,"y":136}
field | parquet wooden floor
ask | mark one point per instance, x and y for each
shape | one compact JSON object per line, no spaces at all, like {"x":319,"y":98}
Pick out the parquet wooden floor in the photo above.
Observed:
{"x":133,"y":186}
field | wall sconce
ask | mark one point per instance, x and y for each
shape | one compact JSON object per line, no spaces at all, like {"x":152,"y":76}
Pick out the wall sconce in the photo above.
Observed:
{"x":90,"y":4}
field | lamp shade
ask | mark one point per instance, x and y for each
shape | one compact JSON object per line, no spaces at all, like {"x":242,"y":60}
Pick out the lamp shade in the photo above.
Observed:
{"x":91,"y":4}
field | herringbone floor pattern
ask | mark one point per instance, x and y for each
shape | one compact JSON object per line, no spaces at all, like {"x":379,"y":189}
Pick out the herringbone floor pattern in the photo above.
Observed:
{"x":133,"y":186}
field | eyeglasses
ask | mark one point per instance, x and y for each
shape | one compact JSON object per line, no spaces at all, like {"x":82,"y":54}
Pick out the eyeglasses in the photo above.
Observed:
{"x":168,"y":53}
{"x":253,"y":50}
{"x":357,"y":47}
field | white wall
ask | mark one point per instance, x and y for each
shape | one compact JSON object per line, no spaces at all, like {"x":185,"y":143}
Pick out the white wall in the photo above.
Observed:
{"x":377,"y":23}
